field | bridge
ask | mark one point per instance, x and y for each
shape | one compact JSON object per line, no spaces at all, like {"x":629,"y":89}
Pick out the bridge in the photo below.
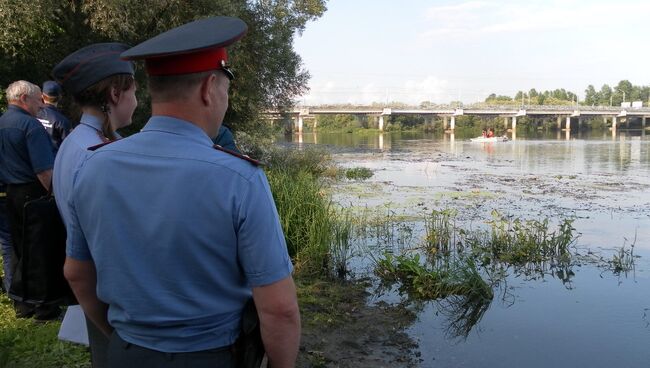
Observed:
{"x":563,"y":113}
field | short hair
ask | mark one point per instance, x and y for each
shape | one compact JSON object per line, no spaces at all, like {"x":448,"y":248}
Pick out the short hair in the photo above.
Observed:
{"x":21,"y":88}
{"x":51,"y":99}
{"x":165,"y":88}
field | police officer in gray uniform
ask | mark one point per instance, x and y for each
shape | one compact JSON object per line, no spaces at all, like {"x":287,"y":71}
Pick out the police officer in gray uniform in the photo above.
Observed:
{"x":188,"y":233}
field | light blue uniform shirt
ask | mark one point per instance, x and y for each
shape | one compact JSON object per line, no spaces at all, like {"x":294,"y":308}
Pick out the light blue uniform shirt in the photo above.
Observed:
{"x":179,"y":233}
{"x":72,"y":152}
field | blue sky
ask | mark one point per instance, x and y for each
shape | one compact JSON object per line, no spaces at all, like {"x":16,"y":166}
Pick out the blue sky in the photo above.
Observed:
{"x":363,"y":51}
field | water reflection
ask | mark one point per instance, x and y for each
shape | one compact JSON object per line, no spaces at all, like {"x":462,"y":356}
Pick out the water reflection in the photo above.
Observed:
{"x":462,"y":313}
{"x":588,"y":318}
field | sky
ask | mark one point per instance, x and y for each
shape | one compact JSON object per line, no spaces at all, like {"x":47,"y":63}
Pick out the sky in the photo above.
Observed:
{"x":364,"y":51}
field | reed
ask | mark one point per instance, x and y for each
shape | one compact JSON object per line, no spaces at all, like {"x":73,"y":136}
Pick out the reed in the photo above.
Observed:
{"x":622,"y":261}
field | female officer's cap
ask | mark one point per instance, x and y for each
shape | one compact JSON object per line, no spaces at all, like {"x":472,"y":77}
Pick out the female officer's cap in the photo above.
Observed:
{"x":191,"y":48}
{"x":91,"y":64}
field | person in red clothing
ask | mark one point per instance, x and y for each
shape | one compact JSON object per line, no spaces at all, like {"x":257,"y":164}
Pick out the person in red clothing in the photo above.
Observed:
{"x":490,"y":133}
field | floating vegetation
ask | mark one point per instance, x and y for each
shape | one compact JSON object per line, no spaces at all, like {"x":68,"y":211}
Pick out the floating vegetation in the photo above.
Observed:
{"x":424,"y":280}
{"x":358,"y":173}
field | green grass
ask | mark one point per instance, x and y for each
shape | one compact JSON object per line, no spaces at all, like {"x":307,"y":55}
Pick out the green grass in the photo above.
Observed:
{"x":26,"y":343}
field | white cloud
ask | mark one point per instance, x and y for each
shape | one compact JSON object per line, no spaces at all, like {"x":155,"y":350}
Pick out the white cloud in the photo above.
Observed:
{"x":475,"y":18}
{"x":413,"y":92}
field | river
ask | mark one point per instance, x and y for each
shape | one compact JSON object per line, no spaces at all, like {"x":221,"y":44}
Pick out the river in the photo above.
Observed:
{"x":585,"y":316}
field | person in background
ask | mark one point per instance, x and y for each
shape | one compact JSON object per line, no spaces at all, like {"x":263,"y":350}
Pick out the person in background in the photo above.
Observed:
{"x":55,"y":123}
{"x":5,"y":239}
{"x":490,"y":133}
{"x":26,"y":160}
{"x":226,"y":139}
{"x":188,"y":232}
{"x":103,"y":87}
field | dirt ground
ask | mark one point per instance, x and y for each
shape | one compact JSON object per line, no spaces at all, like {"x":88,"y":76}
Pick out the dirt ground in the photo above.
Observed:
{"x":340,"y":329}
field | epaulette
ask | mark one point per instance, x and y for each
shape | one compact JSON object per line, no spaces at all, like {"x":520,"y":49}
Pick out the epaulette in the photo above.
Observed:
{"x":238,"y":155}
{"x":97,"y":146}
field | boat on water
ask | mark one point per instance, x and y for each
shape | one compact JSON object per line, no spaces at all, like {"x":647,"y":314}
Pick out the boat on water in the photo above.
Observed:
{"x":490,"y":139}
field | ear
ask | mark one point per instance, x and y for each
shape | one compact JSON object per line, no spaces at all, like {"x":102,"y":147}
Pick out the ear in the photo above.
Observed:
{"x":23,"y":98}
{"x":115,"y":95}
{"x":206,"y":89}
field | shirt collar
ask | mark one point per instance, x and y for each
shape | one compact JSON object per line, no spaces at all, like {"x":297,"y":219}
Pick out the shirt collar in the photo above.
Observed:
{"x":91,"y":121}
{"x":18,"y":108}
{"x":172,"y":125}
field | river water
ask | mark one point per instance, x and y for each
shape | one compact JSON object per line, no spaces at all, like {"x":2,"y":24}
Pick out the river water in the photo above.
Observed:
{"x":586,"y":316}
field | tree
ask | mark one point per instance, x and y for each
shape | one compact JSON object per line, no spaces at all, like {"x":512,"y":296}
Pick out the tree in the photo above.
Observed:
{"x":591,"y":96}
{"x":624,"y":91}
{"x":606,"y":95}
{"x":36,"y":35}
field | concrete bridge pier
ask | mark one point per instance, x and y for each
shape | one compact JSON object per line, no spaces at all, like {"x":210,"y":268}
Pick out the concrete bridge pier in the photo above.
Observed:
{"x":559,"y":123}
{"x":613,"y":122}
{"x":579,"y":122}
{"x":445,"y":122}
{"x":315,"y":124}
{"x":299,"y":123}
{"x":643,"y":122}
{"x":452,"y":126}
{"x":505,"y":123}
{"x":381,"y":123}
{"x":428,"y":123}
{"x":514,"y":123}
{"x":567,"y":126}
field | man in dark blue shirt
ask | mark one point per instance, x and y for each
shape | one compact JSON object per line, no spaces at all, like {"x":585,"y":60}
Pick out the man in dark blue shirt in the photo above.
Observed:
{"x":55,"y":123}
{"x":26,"y":161}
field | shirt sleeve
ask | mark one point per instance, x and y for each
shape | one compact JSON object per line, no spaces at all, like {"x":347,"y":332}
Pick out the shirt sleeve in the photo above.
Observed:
{"x":39,"y":147}
{"x":261,"y":245}
{"x":76,"y":245}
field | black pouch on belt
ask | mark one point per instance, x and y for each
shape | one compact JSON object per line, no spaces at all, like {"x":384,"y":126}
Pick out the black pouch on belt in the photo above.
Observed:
{"x":249,"y":349}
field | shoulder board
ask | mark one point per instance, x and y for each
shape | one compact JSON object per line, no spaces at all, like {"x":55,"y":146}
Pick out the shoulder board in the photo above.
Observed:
{"x":238,"y":155}
{"x":98,"y":146}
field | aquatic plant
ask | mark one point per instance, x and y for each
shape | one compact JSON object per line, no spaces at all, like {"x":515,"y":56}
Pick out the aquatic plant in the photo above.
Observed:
{"x":622,"y":261}
{"x":358,"y":173}
{"x":440,"y":231}
{"x":343,"y":231}
{"x":519,"y":242}
{"x":429,"y":281}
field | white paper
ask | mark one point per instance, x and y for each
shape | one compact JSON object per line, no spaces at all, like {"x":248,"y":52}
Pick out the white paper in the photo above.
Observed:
{"x":73,"y":328}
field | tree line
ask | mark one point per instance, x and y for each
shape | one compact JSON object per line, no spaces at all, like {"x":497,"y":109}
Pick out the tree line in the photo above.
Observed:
{"x":35,"y":35}
{"x":624,"y":91}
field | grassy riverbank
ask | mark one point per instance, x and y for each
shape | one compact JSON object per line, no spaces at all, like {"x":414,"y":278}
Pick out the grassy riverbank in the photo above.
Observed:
{"x":446,"y":260}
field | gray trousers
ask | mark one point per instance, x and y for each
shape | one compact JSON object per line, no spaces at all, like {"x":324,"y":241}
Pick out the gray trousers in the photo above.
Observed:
{"x":122,"y":354}
{"x":98,"y":345}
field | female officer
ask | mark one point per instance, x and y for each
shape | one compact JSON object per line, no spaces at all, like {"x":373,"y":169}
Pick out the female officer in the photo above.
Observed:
{"x":103,"y":87}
